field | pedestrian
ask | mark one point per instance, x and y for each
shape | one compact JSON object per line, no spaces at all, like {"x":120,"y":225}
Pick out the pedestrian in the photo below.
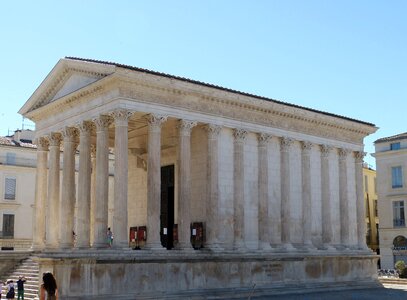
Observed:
{"x":10,"y":289}
{"x":109,"y":237}
{"x":20,"y":287}
{"x":1,"y":287}
{"x":48,"y":289}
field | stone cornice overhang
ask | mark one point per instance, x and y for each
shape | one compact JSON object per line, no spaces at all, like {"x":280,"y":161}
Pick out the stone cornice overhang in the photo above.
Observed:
{"x":210,"y":100}
{"x":390,"y":153}
{"x":243,"y":107}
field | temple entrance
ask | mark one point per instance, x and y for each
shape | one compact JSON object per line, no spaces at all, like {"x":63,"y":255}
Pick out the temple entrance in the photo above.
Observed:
{"x":167,"y":207}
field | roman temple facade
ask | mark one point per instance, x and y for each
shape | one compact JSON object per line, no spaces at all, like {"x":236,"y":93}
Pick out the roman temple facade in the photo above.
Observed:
{"x":269,"y":193}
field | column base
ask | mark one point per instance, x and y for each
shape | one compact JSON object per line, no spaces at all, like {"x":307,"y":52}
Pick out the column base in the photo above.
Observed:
{"x":240,"y":246}
{"x":288,"y":247}
{"x":327,"y":247}
{"x":154,"y":247}
{"x":264,"y":246}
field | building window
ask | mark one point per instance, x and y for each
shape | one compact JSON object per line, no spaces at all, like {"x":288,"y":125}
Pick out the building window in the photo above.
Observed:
{"x":366,"y":184}
{"x":10,"y":189}
{"x":8,"y":226}
{"x":10,"y":158}
{"x":398,"y":214}
{"x":396,"y":177}
{"x":395,"y":146}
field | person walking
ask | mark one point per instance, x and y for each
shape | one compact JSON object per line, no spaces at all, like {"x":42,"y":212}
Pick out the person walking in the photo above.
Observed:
{"x":109,"y":235}
{"x":20,"y":287}
{"x":49,"y":290}
{"x":10,"y":289}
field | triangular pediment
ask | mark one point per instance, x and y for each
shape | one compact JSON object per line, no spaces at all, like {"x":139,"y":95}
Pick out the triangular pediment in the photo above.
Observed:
{"x":68,"y":76}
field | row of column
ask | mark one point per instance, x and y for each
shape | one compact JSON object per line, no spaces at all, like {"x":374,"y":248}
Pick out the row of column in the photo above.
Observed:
{"x":59,"y":233}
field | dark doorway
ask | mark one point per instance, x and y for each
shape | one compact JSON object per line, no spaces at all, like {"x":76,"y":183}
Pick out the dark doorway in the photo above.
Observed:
{"x":167,"y":207}
{"x":8,"y":226}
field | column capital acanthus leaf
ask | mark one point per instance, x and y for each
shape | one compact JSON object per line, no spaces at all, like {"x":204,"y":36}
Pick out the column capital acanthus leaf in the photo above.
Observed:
{"x":325,"y":150}
{"x":121,"y":115}
{"x":239,"y":134}
{"x":55,"y":139}
{"x":343,"y":153}
{"x":102,"y":122}
{"x":185,"y":126}
{"x":155,"y":121}
{"x":359,"y":155}
{"x":213,"y":130}
{"x":86,"y":127}
{"x":306,"y":146}
{"x":286,"y":143}
{"x":42,"y":143}
{"x":70,"y":133}
{"x":264,"y":138}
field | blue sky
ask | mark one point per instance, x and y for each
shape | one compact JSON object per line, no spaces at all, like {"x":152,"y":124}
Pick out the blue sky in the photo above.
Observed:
{"x":343,"y":57}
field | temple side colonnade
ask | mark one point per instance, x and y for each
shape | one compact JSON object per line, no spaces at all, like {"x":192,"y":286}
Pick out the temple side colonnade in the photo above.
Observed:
{"x":55,"y":225}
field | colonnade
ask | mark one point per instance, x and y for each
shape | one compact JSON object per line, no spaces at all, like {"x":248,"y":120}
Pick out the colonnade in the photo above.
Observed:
{"x":53,"y":227}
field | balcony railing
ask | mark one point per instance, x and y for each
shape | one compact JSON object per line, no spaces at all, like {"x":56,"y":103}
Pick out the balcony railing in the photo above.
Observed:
{"x":399,"y":222}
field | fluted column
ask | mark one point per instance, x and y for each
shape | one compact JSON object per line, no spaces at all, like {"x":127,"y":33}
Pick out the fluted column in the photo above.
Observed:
{"x":360,"y":200}
{"x":184,"y":188}
{"x":327,"y":230}
{"x":154,"y":181}
{"x":263,"y":205}
{"x":102,"y":182}
{"x":52,"y":218}
{"x":212,"y":204}
{"x":121,"y":119}
{"x":67,"y":206}
{"x":40,"y":194}
{"x":92,"y":192}
{"x":238,"y":188}
{"x":285,"y":145}
{"x":343,"y":197}
{"x":306,"y":193}
{"x":84,"y":185}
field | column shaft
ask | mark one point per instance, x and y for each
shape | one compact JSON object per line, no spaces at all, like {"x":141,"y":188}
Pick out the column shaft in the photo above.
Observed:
{"x":52,"y":218}
{"x":184,"y":188}
{"x":360,"y":201}
{"x":40,"y":194}
{"x":154,"y":181}
{"x":327,"y":230}
{"x":102,"y":182}
{"x":285,"y":191}
{"x":263,"y":205}
{"x":84,"y":186}
{"x":238,"y":188}
{"x":67,"y":206}
{"x":306,"y":193}
{"x":120,"y":226}
{"x":343,"y":197}
{"x":212,"y":204}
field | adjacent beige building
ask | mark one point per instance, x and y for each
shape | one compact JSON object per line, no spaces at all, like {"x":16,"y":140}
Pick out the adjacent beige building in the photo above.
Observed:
{"x":372,"y":217}
{"x":17,"y":182}
{"x":391,"y":163}
{"x":278,"y":188}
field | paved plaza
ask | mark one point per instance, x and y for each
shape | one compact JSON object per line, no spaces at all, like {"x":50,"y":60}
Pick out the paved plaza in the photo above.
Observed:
{"x":389,"y":291}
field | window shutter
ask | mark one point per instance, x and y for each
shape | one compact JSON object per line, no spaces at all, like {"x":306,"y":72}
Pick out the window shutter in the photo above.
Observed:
{"x":10,"y":190}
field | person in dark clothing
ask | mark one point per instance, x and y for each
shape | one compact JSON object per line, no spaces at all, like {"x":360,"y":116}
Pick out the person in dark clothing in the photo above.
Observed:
{"x":20,"y":287}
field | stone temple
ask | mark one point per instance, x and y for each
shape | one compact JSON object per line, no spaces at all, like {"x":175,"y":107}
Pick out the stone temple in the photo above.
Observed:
{"x":223,"y":193}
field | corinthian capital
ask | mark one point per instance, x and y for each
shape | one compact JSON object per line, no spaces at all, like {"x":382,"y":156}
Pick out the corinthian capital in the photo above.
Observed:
{"x":325,"y":150}
{"x":102,"y":122}
{"x":70,"y":134}
{"x":239,"y":134}
{"x":55,"y":139}
{"x":306,"y":147}
{"x":121,"y":116}
{"x":359,"y":155}
{"x":155,"y":121}
{"x":86,"y":127}
{"x":285,"y":143}
{"x":42,"y":144}
{"x":343,"y":153}
{"x":213,"y":130}
{"x":185,"y":126}
{"x":264,"y":138}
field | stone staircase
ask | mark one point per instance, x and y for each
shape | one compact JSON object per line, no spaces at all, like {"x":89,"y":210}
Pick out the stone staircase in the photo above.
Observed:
{"x":30,"y":270}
